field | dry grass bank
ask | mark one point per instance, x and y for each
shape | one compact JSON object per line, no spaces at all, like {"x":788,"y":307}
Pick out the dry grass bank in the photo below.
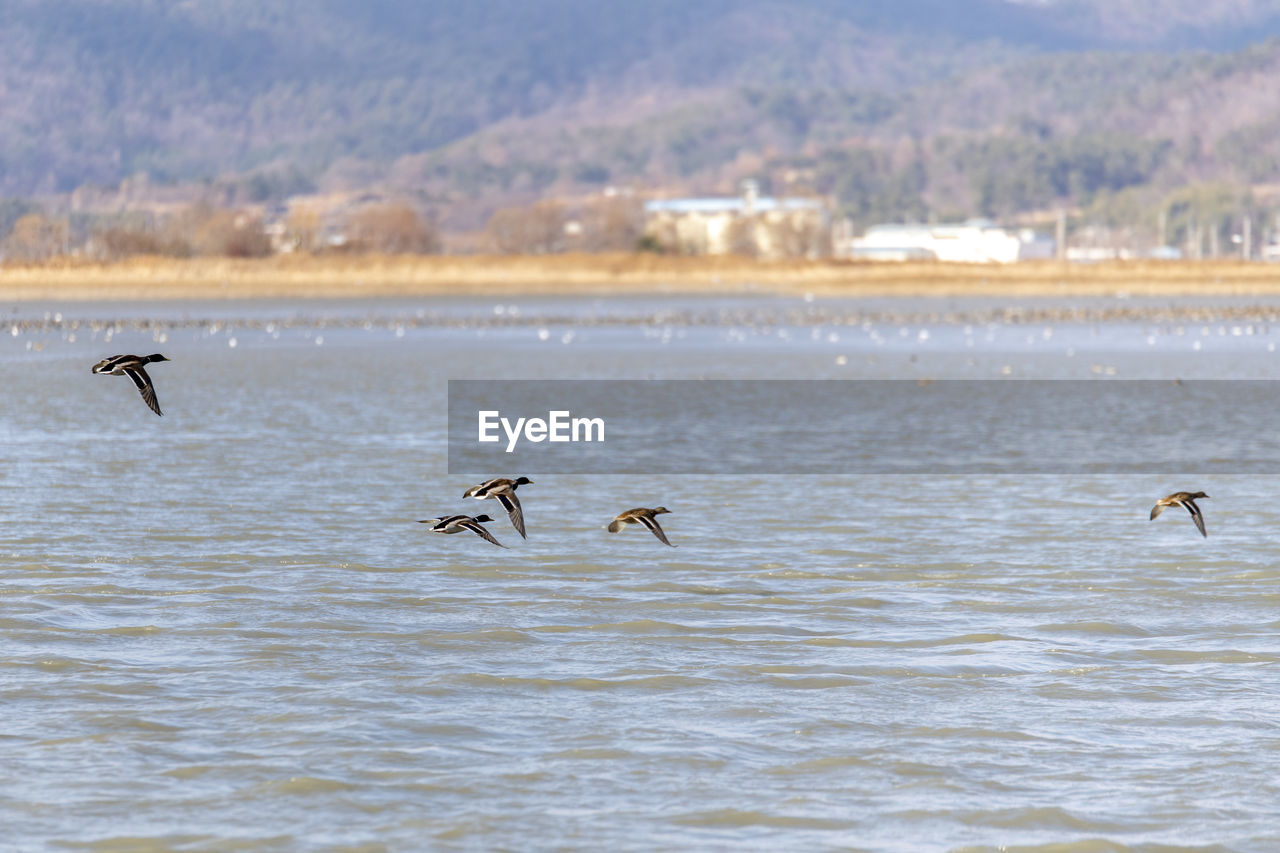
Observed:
{"x":363,"y":276}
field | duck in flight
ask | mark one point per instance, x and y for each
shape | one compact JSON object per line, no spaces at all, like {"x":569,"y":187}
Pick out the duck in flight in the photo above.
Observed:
{"x":641,"y":515}
{"x":459,"y":523}
{"x":1186,"y":500}
{"x":133,"y":366}
{"x":505,"y":491}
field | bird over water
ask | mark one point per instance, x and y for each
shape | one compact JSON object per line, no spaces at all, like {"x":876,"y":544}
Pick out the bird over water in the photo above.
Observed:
{"x":459,"y":523}
{"x":133,"y":366}
{"x":641,"y":515}
{"x":1187,"y":500}
{"x":505,"y":492}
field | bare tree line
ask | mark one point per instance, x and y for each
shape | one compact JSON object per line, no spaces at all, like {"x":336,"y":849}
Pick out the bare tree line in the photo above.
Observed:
{"x":201,"y":230}
{"x":596,"y":224}
{"x":606,"y":224}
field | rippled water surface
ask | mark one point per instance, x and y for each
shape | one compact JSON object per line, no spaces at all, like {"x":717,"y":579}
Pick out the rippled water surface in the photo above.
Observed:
{"x":224,"y":630}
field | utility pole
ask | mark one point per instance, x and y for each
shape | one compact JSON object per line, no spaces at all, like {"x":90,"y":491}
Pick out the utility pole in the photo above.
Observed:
{"x":1247,"y":237}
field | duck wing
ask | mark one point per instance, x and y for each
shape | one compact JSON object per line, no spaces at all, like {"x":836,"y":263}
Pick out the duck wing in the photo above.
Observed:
{"x":515,"y":512}
{"x":652,"y":523}
{"x":480,"y":491}
{"x":1197,"y":516}
{"x":1156,"y":510}
{"x":148,"y":391}
{"x":478,"y":529}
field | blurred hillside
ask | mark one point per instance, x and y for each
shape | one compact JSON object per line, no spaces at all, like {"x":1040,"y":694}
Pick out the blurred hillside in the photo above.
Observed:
{"x":896,"y":108}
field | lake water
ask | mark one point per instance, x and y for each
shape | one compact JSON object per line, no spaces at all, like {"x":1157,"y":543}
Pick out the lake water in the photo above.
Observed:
{"x":225,"y":631}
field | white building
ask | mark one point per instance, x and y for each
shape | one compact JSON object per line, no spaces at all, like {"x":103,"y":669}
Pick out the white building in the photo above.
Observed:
{"x":977,"y":242}
{"x":761,"y":225}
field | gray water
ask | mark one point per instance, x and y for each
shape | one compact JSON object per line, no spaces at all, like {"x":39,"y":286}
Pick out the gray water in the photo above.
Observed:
{"x":225,"y":630}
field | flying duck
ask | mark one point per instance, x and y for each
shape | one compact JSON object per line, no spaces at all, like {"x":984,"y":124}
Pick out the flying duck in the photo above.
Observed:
{"x":505,"y":491}
{"x":459,"y":523}
{"x":641,"y":515}
{"x":1186,"y":500}
{"x":133,"y":367}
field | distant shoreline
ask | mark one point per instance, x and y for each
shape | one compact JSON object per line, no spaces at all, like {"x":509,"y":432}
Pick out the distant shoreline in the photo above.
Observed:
{"x":354,"y":277}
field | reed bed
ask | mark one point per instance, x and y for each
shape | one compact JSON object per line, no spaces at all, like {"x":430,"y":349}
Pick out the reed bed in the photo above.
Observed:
{"x":309,"y":277}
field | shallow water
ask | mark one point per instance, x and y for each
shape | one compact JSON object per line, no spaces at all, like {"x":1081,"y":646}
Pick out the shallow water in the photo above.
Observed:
{"x":226,"y":632}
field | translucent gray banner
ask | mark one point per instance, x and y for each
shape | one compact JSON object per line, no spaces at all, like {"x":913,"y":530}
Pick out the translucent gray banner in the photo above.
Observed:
{"x":864,"y":426}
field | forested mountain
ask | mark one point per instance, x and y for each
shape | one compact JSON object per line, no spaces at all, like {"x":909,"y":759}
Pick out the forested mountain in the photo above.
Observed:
{"x":896,"y":107}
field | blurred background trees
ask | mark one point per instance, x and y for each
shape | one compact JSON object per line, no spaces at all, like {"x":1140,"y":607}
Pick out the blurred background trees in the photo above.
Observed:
{"x":36,"y":237}
{"x":600,"y":224}
{"x":919,"y":110}
{"x":391,"y":229}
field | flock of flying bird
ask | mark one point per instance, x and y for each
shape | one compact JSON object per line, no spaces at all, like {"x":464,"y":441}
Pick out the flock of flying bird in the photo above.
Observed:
{"x":500,"y":488}
{"x":504,"y":490}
